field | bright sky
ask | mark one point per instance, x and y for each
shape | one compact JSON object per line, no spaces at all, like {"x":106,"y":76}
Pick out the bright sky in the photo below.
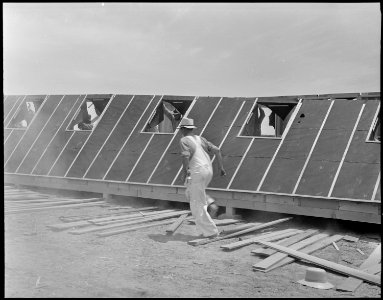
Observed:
{"x":196,"y":49}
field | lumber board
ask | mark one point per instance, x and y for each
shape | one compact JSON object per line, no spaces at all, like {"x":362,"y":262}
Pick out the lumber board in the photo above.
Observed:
{"x":100,"y":228}
{"x":54,"y":207}
{"x":286,"y":242}
{"x":251,"y":229}
{"x":109,"y":233}
{"x":326,"y":264}
{"x":351,"y":284}
{"x":273,"y":259}
{"x":350,"y":238}
{"x":80,"y":223}
{"x":238,"y":228}
{"x":277,"y":235}
{"x":322,"y":243}
{"x":171,"y":229}
{"x":22,"y":197}
{"x":223,"y":222}
{"x":116,"y":213}
{"x":128,"y":215}
{"x":129,"y":218}
{"x":60,"y":202}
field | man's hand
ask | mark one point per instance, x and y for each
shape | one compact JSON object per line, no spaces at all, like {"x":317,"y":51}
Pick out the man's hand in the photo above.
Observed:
{"x":223,"y":172}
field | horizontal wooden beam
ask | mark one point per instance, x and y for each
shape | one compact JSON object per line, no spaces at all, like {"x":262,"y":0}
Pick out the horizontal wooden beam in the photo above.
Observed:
{"x":344,"y":209}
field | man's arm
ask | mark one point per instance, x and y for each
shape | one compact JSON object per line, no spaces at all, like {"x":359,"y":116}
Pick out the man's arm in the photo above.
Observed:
{"x":211,"y":148}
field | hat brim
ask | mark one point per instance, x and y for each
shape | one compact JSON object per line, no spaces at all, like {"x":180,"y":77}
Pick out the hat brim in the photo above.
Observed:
{"x":317,"y":285}
{"x":186,"y":126}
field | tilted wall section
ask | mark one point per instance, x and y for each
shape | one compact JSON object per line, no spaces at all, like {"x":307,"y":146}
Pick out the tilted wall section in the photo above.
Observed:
{"x":322,"y":162}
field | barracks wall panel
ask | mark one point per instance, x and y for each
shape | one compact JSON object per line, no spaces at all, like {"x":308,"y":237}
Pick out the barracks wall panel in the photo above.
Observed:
{"x":118,"y":137}
{"x":132,"y":149}
{"x":368,"y":114}
{"x":41,"y":142}
{"x":343,"y":115}
{"x":57,"y":143}
{"x":356,"y":180}
{"x":15,"y":104}
{"x":6,"y":133}
{"x":98,"y":135}
{"x":172,"y":161}
{"x":8,"y":104}
{"x":69,"y":153}
{"x":294,"y":151}
{"x":255,"y":163}
{"x":317,"y":178}
{"x":219,"y":124}
{"x":148,"y":161}
{"x":12,"y":141}
{"x":233,"y":148}
{"x":329,"y":149}
{"x":377,"y":196}
{"x":32,"y":131}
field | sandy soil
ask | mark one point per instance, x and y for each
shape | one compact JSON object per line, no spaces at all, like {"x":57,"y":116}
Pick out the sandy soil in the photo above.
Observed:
{"x":42,"y":263}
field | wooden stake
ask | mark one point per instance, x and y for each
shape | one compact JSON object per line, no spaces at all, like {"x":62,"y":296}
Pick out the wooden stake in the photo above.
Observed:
{"x":335,"y":246}
{"x":171,"y":229}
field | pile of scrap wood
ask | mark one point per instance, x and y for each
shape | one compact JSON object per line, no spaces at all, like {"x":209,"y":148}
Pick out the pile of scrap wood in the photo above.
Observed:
{"x":26,"y":201}
{"x":120,"y":220}
{"x":285,"y":246}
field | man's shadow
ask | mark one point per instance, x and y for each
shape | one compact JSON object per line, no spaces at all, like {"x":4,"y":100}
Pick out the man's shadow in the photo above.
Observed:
{"x":164,"y":238}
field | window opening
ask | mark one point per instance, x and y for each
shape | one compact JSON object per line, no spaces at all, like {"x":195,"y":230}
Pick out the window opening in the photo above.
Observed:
{"x":375,"y":133}
{"x":167,"y":116}
{"x":268,"y":120}
{"x":25,"y":113}
{"x":89,"y":114}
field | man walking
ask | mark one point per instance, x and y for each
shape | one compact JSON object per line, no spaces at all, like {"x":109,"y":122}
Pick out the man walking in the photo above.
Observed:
{"x":198,"y":171}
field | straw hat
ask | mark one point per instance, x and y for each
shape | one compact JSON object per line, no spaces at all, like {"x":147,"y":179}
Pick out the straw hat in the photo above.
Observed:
{"x":187,"y":123}
{"x":316,"y":278}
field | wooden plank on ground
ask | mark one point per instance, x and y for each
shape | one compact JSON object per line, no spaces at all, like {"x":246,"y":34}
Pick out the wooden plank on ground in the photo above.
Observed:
{"x":351,"y":284}
{"x":109,"y":233}
{"x":222,"y":222}
{"x":270,"y":236}
{"x":24,"y":197}
{"x":83,"y":223}
{"x":239,"y":228}
{"x":117,"y":213}
{"x":122,"y":218}
{"x":235,"y":234}
{"x":172,"y":228}
{"x":326,"y":264}
{"x":350,"y":238}
{"x":276,"y":257}
{"x":100,"y":228}
{"x":52,"y":202}
{"x":286,"y":242}
{"x":322,"y":243}
{"x":53,"y":207}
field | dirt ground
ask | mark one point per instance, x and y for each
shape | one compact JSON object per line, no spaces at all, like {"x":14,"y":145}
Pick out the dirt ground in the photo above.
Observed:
{"x":42,"y":263}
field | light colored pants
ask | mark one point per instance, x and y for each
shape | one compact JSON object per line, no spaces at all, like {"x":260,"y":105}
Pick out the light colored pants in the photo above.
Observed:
{"x":199,"y":200}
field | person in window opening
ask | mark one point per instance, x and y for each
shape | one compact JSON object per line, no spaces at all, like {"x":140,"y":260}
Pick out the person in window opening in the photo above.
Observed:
{"x":173,"y":115}
{"x":26,"y":116}
{"x":198,"y":172}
